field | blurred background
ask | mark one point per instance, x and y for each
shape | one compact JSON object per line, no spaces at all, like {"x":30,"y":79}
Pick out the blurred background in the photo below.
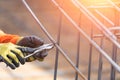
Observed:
{"x":15,"y":19}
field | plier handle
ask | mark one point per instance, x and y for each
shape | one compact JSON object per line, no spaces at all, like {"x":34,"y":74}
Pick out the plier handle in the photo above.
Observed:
{"x":33,"y":51}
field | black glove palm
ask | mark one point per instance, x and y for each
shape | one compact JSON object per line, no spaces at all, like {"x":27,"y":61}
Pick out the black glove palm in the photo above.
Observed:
{"x":33,"y":42}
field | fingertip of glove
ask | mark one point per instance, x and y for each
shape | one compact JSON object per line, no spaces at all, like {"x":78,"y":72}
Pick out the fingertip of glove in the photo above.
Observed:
{"x":10,"y":65}
{"x":22,"y":61}
{"x":13,"y":61}
{"x":16,"y":64}
{"x":13,"y":68}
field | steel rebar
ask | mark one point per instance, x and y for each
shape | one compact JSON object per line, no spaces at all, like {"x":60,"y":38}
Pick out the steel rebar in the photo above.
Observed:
{"x":116,"y":66}
{"x":53,"y":41}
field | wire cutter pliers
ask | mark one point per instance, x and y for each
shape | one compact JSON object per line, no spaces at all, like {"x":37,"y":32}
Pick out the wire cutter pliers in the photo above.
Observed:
{"x":33,"y":51}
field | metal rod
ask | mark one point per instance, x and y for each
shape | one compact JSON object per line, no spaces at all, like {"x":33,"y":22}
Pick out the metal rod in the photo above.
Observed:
{"x":104,"y":3}
{"x":104,"y":17}
{"x":114,"y":5}
{"x":78,"y":49}
{"x":100,"y":57}
{"x":77,"y":56}
{"x":115,"y":28}
{"x":116,"y":66}
{"x":100,"y":61}
{"x":108,"y":3}
{"x":53,"y":41}
{"x":97,"y":7}
{"x":90,"y":54}
{"x":100,"y":35}
{"x":112,"y":29}
{"x":98,"y":24}
{"x":57,"y":51}
{"x":114,"y":52}
{"x":90,"y":62}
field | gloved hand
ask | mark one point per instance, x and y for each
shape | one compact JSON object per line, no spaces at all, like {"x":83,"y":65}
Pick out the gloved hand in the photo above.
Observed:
{"x":11,"y":55}
{"x":33,"y":42}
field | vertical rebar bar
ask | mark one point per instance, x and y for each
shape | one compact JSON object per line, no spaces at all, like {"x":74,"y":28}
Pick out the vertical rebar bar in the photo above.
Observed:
{"x":78,"y":49}
{"x":114,"y":52}
{"x":57,"y":51}
{"x":100,"y":66}
{"x":90,"y":54}
{"x":77,"y":57}
{"x":100,"y":61}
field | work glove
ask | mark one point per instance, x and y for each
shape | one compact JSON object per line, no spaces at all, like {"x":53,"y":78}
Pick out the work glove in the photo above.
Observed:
{"x":11,"y":55}
{"x":32,"y":42}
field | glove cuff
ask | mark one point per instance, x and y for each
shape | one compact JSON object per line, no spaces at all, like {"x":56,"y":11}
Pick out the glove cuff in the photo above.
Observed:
{"x":9,"y":38}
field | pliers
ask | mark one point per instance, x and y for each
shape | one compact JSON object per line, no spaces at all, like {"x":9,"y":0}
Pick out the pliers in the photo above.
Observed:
{"x":33,"y":51}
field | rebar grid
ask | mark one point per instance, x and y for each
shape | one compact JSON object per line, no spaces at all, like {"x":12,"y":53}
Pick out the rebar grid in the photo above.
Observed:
{"x":105,"y":33}
{"x":53,"y":41}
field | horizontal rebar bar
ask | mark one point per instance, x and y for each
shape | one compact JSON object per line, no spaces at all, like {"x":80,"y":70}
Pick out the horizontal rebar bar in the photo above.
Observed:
{"x":95,"y":7}
{"x":103,"y":3}
{"x":114,"y":28}
{"x":101,"y":35}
